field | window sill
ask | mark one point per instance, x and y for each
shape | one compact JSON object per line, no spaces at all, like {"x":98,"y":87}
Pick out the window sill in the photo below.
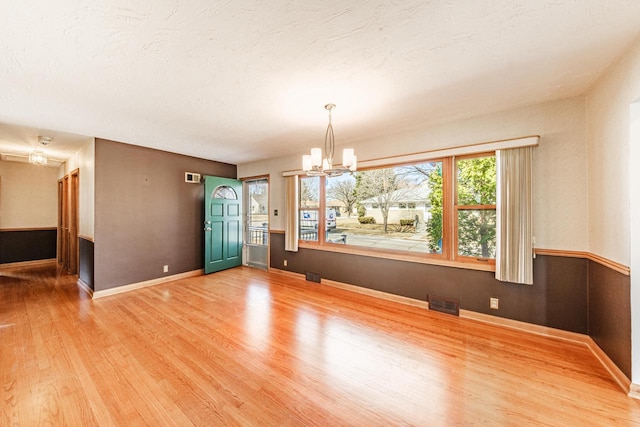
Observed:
{"x":398,"y":256}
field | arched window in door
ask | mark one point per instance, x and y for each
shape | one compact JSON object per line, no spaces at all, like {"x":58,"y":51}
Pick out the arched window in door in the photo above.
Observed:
{"x":224,"y":192}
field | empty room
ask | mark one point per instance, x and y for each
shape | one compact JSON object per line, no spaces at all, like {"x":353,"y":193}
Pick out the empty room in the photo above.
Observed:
{"x":366,"y":213}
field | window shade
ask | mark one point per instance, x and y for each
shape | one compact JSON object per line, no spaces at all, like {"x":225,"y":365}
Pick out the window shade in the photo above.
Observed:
{"x":291,"y":213}
{"x":514,"y":228}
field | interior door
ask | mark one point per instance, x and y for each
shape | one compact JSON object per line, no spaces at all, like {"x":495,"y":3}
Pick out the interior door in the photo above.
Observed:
{"x":61,"y":210}
{"x":222,"y":223}
{"x":74,"y":188}
{"x":65,"y":224}
{"x":68,"y":222}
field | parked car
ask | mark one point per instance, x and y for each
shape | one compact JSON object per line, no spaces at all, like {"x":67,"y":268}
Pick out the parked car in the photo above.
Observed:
{"x":310,"y":219}
{"x":330,"y":218}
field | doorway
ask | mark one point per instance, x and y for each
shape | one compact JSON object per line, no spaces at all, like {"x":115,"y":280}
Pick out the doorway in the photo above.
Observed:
{"x":222,"y":223}
{"x":68,"y":220}
{"x":256,"y":226}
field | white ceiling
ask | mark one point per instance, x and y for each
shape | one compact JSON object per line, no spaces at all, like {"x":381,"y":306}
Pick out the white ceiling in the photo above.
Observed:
{"x":241,"y":80}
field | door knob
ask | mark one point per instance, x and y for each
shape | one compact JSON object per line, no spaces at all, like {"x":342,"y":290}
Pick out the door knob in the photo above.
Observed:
{"x":207,"y":222}
{"x":207,"y":229}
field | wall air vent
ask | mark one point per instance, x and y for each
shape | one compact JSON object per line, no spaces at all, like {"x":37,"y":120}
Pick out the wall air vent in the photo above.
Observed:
{"x":444,"y":305}
{"x":192,"y":177}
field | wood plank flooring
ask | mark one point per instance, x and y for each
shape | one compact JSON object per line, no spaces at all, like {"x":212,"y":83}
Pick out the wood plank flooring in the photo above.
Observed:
{"x":246,"y":347}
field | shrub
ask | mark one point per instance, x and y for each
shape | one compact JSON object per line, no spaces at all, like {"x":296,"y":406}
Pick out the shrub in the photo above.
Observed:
{"x":362,"y":211}
{"x":366,"y":220}
{"x":406,"y":222}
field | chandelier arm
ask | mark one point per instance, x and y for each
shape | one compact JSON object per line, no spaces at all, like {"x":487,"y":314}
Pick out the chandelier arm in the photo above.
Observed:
{"x":329,"y":143}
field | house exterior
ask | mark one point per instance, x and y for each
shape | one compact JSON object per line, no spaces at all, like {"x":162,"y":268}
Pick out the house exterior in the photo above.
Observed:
{"x":259,"y":203}
{"x":408,"y":204}
{"x":338,"y":206}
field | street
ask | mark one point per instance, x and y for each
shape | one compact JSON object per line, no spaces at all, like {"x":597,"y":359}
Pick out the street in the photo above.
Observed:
{"x":378,"y":241}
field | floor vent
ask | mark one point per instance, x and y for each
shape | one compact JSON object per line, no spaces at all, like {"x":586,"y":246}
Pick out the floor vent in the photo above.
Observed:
{"x":444,"y":305}
{"x":313,"y":277}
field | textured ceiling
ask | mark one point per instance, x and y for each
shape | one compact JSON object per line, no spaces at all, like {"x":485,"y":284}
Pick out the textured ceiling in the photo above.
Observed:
{"x":242,"y":80}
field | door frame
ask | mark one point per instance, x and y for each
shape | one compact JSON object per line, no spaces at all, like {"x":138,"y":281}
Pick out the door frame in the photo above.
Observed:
{"x":68,"y":222}
{"x":61,"y":209}
{"x":74,"y":193}
{"x":211,"y":220}
{"x":246,"y":215}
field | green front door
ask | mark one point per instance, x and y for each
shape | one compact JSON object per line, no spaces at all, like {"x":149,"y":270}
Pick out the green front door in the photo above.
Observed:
{"x":222,"y":223}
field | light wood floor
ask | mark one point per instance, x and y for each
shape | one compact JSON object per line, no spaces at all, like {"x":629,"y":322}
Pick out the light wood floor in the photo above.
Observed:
{"x":245,"y":347}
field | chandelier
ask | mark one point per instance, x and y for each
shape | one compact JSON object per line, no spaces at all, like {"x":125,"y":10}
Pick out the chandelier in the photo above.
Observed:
{"x":315,"y":165}
{"x":37,"y":156}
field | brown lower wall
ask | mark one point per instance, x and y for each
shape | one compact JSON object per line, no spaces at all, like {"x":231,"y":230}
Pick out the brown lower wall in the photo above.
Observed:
{"x":610,"y":313}
{"x":86,"y":262}
{"x":572,"y":294}
{"x":27,"y":245}
{"x":558,"y":298}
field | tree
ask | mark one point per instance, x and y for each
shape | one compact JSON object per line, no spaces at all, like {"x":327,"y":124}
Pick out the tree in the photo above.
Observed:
{"x":434,"y":223}
{"x":310,"y":192}
{"x":430,"y":172}
{"x":476,"y":181}
{"x":477,"y":187}
{"x":343,"y":190}
{"x":382,"y":185}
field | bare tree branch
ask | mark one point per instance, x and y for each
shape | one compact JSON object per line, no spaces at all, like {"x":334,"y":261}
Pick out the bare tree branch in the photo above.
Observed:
{"x":344,"y":191}
{"x":382,"y":185}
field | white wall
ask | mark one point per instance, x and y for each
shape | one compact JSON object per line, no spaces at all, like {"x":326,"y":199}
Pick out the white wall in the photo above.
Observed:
{"x":560,"y":176}
{"x":614,"y":158}
{"x":634,"y":187}
{"x":28,"y":196}
{"x":608,"y":133}
{"x":274,"y":168}
{"x":86,"y":164}
{"x":84,"y":161}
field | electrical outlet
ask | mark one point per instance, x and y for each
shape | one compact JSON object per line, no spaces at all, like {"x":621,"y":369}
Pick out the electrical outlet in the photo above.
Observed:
{"x":165,"y":269}
{"x":493,"y":303}
{"x":285,"y":262}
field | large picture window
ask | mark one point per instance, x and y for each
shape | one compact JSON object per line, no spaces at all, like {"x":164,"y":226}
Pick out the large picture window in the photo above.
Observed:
{"x":444,"y":208}
{"x":387,"y":208}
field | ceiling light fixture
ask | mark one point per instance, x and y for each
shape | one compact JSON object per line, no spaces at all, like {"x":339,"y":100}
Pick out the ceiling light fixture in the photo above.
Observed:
{"x":37,"y":156}
{"x":315,"y":165}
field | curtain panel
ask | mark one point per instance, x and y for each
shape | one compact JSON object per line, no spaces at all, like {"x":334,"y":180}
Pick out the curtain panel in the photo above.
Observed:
{"x":514,"y":228}
{"x":291,"y":213}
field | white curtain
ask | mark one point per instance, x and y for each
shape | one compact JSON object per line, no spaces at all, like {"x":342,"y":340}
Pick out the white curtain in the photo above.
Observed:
{"x":291,"y":213}
{"x":514,"y":228}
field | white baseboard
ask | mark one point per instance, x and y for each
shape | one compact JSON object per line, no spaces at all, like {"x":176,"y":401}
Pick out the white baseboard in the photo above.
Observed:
{"x":140,"y":285}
